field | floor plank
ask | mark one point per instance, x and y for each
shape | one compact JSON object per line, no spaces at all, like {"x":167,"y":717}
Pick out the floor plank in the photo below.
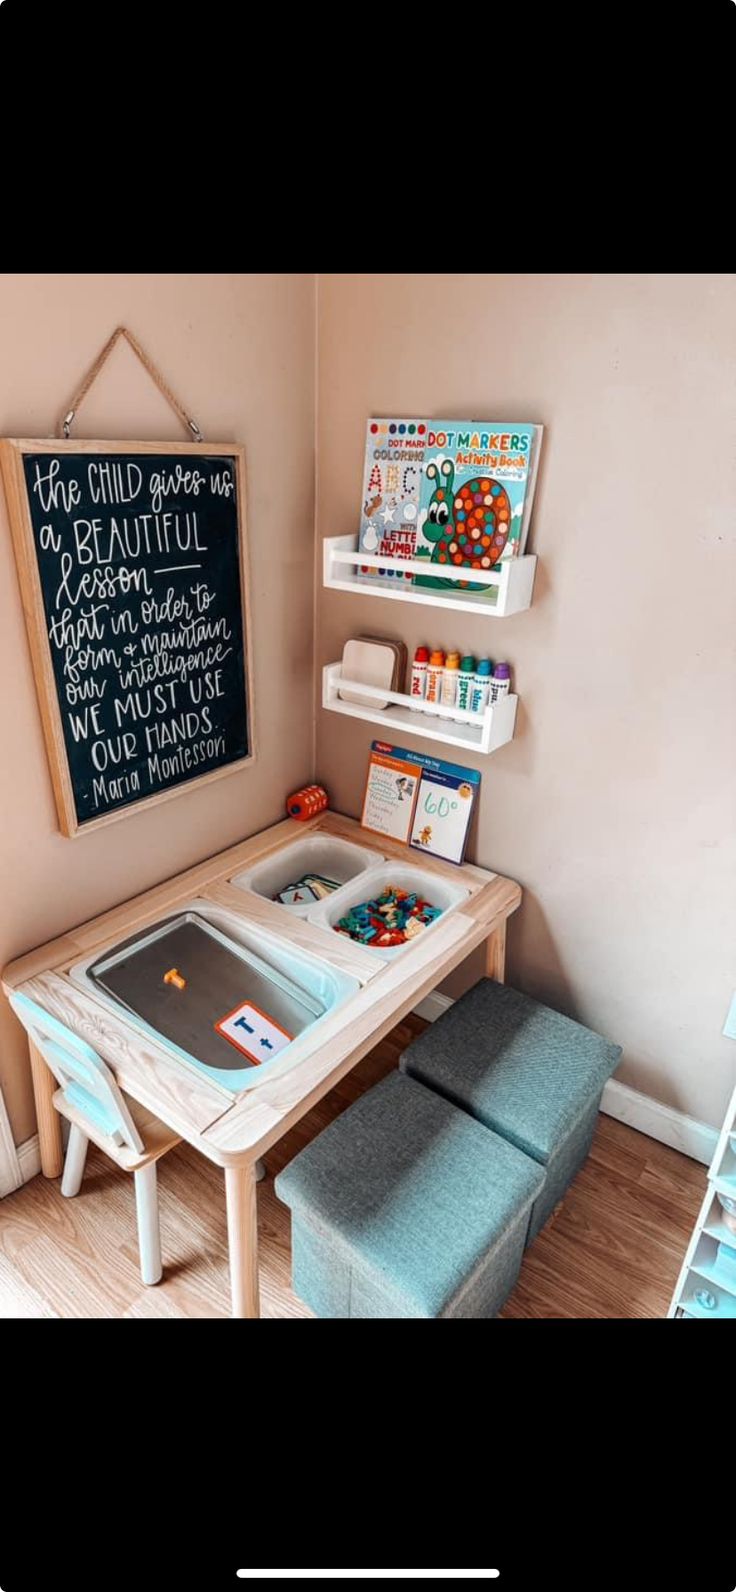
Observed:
{"x":612,"y":1249}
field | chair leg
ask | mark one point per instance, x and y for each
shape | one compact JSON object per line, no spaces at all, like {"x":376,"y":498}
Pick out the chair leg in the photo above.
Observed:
{"x":76,"y":1155}
{"x":149,"y":1233}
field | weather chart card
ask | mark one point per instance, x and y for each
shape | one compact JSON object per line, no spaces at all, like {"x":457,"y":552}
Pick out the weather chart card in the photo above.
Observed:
{"x":444,"y":809}
{"x":453,"y":492}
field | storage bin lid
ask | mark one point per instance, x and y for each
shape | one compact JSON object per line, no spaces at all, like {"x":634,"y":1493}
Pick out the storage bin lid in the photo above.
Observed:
{"x":519,"y":1067}
{"x":414,"y":1187}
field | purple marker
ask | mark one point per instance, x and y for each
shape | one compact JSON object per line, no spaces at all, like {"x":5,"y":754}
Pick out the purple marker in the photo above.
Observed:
{"x":500,"y":681}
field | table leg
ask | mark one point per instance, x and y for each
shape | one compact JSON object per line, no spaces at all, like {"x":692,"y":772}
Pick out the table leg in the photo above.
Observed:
{"x":496,"y":953}
{"x":49,"y":1121}
{"x":242,"y":1235}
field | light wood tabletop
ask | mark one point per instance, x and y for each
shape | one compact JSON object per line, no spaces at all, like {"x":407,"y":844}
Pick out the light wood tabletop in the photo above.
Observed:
{"x":234,"y":1132}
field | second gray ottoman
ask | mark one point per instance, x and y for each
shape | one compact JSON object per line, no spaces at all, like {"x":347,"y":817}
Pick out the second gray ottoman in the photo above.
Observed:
{"x":523,"y":1070}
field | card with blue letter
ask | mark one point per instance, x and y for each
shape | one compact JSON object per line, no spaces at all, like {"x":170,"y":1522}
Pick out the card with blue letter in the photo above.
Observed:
{"x":253,"y":1032}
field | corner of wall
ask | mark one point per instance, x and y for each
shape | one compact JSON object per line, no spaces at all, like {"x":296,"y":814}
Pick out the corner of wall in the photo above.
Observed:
{"x":316,"y":684}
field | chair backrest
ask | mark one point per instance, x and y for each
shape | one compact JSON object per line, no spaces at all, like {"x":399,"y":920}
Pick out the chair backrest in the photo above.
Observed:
{"x":86,"y":1081}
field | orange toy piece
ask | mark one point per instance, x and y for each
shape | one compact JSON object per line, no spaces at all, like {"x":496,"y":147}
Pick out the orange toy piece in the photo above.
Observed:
{"x":173,"y":976}
{"x":307,"y":802}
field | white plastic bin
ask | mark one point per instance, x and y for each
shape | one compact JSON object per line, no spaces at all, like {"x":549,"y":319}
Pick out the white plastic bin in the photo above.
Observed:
{"x":323,"y":854}
{"x":439,"y":892}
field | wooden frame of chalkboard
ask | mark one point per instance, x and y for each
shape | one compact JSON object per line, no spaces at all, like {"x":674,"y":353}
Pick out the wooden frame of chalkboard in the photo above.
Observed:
{"x":177,"y":654}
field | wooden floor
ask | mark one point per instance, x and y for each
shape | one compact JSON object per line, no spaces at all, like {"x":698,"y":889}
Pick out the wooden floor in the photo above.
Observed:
{"x":612,"y":1249}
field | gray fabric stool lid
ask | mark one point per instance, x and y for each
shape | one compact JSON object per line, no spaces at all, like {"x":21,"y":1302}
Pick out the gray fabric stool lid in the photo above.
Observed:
{"x":416,"y":1188}
{"x":519,"y":1067}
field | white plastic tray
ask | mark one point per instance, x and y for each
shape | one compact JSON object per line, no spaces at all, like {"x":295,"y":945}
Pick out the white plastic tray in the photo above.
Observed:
{"x":314,"y":974}
{"x":438,"y":891}
{"x":324,"y":854}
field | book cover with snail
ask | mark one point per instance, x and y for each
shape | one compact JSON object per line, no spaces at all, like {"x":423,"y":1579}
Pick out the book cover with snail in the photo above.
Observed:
{"x":453,"y":492}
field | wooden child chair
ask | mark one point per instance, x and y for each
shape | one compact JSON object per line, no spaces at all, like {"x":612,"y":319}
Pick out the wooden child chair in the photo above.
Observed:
{"x":96,"y":1109}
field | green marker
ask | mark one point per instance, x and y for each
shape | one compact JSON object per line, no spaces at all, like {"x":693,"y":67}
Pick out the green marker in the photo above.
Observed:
{"x":465,"y":679}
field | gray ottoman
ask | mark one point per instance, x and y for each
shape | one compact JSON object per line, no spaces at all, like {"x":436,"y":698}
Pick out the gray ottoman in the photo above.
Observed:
{"x":407,"y":1207}
{"x":523,"y":1070}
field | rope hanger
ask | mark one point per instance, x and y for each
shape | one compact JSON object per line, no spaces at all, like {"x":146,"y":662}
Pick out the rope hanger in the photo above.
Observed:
{"x":65,"y":424}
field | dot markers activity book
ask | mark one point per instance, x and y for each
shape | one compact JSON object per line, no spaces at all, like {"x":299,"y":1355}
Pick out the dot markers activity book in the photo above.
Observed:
{"x":453,"y":492}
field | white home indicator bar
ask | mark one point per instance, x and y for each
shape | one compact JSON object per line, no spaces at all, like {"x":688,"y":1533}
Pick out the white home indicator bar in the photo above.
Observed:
{"x":368,"y":1575}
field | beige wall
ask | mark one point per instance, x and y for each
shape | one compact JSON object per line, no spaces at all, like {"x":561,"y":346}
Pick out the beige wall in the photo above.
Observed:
{"x":614,"y":805}
{"x":239,"y":351}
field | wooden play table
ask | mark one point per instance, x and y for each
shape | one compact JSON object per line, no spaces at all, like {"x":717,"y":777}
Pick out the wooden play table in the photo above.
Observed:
{"x":236,"y":1133}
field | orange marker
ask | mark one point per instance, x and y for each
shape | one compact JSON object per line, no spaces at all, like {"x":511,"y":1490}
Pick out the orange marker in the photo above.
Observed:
{"x":435,"y":672}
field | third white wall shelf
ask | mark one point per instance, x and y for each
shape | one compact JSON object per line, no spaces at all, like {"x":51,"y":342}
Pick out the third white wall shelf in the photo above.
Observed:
{"x":477,"y":732}
{"x":514,"y":581}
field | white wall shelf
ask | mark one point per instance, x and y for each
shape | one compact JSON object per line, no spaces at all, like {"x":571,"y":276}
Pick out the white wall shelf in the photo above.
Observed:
{"x":475,"y":732}
{"x":513,"y":582}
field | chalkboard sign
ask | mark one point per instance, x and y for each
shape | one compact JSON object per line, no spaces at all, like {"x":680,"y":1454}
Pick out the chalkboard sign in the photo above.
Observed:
{"x":132,"y":564}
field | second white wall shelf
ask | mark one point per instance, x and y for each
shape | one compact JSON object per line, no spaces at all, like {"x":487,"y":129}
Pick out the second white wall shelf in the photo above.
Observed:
{"x":476,"y":732}
{"x":514,"y":581}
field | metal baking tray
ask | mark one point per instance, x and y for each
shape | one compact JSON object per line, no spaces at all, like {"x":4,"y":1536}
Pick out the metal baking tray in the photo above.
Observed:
{"x":219,"y":976}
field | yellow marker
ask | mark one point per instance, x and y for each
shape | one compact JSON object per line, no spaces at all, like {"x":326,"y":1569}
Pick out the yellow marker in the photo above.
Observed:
{"x":174,"y":977}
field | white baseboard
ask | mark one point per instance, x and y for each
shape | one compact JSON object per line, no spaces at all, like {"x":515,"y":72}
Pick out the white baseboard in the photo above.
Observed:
{"x":29,"y":1157}
{"x":640,"y":1111}
{"x":672,"y":1127}
{"x":10,"y":1174}
{"x":433,"y":1006}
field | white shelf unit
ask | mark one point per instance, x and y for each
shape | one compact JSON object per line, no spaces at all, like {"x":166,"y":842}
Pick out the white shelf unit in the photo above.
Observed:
{"x":474,"y":732}
{"x":514,"y":581}
{"x":701,"y":1269}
